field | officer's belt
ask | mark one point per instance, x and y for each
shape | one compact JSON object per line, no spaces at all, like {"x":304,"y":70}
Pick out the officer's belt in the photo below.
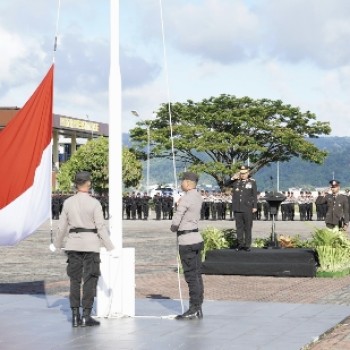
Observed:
{"x":179,"y":233}
{"x":82,"y":229}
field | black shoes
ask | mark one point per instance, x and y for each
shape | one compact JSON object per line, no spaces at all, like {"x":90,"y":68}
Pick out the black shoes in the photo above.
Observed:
{"x":87,"y":320}
{"x":76,"y":321}
{"x":240,"y":247}
{"x":84,"y":321}
{"x":191,"y":314}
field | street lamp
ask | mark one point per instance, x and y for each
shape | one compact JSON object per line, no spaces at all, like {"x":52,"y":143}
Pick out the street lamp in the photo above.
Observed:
{"x":92,"y":131}
{"x":148,"y":147}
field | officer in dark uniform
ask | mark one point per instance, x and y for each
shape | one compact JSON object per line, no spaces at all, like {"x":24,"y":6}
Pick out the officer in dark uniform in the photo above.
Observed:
{"x":347,"y":193}
{"x":170,"y":201}
{"x":138,"y":202}
{"x":105,"y":205}
{"x":266,"y":209}
{"x":124,"y":199}
{"x":337,"y":208}
{"x":309,"y":206}
{"x":244,"y":203}
{"x":157,"y":200}
{"x":319,"y":203}
{"x":145,"y":205}
{"x":302,"y":206}
{"x":133,"y":205}
{"x":55,"y":206}
{"x":284,"y":207}
{"x":206,"y":206}
{"x":127,"y":200}
{"x":165,"y":206}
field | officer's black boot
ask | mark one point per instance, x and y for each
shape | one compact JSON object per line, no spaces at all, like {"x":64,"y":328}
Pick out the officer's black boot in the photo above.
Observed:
{"x":194,"y":312}
{"x":75,"y":317}
{"x":87,"y":320}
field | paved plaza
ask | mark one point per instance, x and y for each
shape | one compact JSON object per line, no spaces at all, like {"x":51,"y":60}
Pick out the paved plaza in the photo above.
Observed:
{"x":240,"y":312}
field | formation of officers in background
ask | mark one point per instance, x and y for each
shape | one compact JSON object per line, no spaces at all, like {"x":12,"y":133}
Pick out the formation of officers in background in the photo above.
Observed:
{"x":58,"y":199}
{"x":216,"y":206}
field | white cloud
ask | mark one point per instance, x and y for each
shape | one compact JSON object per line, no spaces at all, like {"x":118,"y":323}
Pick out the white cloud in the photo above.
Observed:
{"x":294,"y":50}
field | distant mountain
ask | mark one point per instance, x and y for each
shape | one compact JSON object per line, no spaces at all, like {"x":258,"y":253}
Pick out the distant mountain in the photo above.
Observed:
{"x":293,"y":174}
{"x":299,"y":173}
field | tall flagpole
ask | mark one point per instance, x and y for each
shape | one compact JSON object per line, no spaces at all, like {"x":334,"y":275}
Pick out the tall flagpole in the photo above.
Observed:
{"x":116,"y":290}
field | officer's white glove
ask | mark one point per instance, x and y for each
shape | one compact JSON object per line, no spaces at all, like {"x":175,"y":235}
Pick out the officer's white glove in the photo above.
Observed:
{"x":114,"y":253}
{"x":52,"y":248}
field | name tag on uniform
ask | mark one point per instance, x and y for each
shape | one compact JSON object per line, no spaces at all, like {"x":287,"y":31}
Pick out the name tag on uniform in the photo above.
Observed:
{"x":248,"y":185}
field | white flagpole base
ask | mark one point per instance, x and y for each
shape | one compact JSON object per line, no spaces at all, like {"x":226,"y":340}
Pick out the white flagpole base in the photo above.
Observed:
{"x":116,"y":286}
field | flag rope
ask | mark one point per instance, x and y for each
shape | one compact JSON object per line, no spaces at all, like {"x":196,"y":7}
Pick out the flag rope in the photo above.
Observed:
{"x":53,"y":61}
{"x":171,"y":138}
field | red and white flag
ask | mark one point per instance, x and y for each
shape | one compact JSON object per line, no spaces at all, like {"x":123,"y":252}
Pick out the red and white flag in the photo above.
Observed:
{"x":26,"y":165}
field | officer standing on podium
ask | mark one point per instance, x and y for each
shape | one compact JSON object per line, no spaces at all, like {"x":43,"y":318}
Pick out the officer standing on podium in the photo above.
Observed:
{"x":244,"y":204}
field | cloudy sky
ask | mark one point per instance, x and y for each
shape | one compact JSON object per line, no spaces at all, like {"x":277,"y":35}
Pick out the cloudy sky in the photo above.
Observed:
{"x":294,"y":50}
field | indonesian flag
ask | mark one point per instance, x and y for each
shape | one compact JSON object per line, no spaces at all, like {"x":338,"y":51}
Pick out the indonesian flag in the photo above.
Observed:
{"x":25,"y":166}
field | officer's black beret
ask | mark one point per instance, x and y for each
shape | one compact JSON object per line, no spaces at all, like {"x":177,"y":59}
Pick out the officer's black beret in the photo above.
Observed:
{"x":81,"y":177}
{"x":187,"y":175}
{"x":334,"y":183}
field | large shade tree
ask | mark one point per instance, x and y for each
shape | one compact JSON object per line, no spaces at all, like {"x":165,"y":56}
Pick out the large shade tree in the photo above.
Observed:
{"x":93,"y":157}
{"x":217,"y":135}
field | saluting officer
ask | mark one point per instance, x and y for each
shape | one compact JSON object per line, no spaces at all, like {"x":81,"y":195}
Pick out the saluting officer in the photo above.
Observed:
{"x":244,"y":204}
{"x":83,"y":222}
{"x":337,"y":208}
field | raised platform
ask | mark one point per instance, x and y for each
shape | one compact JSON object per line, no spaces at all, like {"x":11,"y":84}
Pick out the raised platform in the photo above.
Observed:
{"x":282,"y":262}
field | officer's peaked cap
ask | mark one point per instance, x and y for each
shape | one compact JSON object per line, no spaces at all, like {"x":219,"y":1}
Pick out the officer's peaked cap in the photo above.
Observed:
{"x":81,"y":177}
{"x":187,"y":175}
{"x":334,"y":183}
{"x":243,"y":169}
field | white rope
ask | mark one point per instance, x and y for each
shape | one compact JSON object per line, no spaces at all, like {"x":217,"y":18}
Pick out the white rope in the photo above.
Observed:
{"x":171,"y":136}
{"x":56,"y":32}
{"x":53,"y":61}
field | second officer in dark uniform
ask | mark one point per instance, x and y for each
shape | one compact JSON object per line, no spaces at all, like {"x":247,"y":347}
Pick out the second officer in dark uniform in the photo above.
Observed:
{"x":337,"y":208}
{"x":244,"y":205}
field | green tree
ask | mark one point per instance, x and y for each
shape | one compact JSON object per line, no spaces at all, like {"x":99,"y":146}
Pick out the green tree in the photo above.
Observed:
{"x":93,"y":157}
{"x":217,"y":135}
{"x":132,"y":168}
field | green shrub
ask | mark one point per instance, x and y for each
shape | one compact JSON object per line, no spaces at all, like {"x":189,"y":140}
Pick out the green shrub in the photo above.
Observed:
{"x":260,"y":242}
{"x":333,"y":249}
{"x":213,"y":239}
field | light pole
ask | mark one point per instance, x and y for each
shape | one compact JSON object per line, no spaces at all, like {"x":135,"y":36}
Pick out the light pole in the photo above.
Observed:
{"x":92,"y":131}
{"x":148,"y":148}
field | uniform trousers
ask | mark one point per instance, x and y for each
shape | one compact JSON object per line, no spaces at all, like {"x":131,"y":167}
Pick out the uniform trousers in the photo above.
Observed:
{"x":244,"y":224}
{"x":191,"y":261}
{"x":83,"y":270}
{"x":158,"y":210}
{"x":145,"y":211}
